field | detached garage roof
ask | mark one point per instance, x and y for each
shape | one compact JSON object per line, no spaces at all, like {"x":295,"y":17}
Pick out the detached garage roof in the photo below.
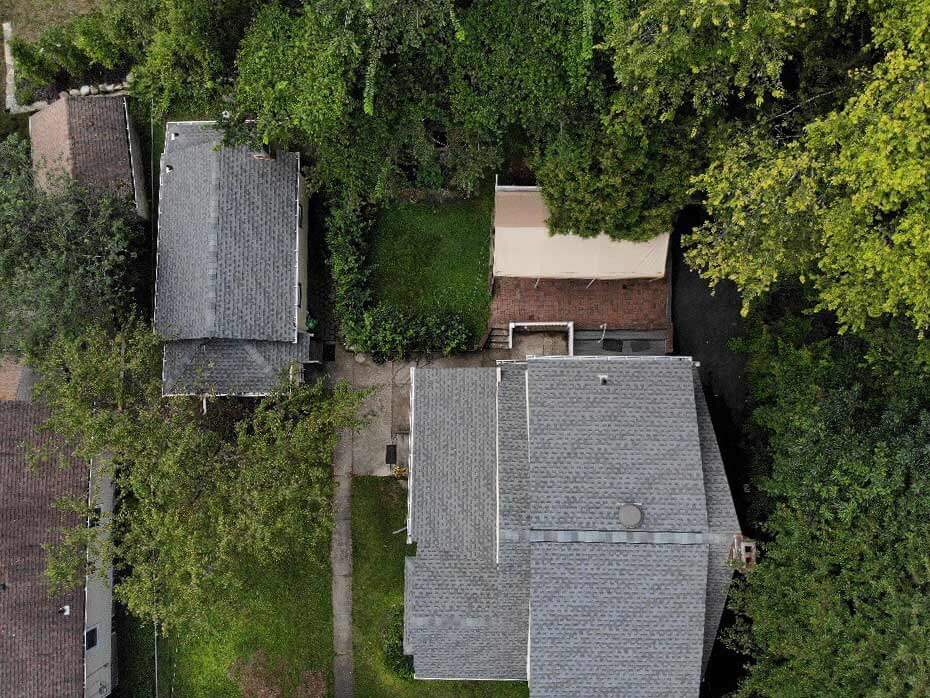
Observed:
{"x":91,"y":140}
{"x":523,"y":246}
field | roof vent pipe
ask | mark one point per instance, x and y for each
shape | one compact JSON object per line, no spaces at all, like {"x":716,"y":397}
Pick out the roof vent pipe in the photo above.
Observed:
{"x":631,"y":515}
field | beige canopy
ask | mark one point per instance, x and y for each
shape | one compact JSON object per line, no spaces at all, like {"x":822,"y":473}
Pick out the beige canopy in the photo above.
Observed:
{"x":524,"y":248}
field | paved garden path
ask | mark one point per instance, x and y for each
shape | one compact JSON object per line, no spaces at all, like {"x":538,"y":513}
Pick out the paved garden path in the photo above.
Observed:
{"x":362,"y":452}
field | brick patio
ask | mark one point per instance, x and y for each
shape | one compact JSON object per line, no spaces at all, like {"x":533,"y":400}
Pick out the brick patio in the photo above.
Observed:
{"x":638,"y":304}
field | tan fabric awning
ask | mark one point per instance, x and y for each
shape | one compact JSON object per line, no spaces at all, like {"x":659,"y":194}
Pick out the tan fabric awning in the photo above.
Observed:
{"x":524,"y":248}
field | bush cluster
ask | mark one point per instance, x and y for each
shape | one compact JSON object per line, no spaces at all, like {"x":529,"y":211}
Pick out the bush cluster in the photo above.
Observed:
{"x":381,"y":329}
{"x":71,"y":53}
{"x":392,"y":644}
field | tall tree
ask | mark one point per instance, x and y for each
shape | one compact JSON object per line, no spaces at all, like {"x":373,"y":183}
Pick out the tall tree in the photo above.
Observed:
{"x":838,"y":602}
{"x":840,"y":201}
{"x":66,"y":254}
{"x":198,"y":494}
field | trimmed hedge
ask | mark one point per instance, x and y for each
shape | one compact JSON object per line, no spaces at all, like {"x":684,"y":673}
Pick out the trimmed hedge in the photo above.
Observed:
{"x":383,"y":330}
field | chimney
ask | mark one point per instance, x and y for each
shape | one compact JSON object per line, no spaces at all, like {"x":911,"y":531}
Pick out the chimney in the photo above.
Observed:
{"x":743,"y":552}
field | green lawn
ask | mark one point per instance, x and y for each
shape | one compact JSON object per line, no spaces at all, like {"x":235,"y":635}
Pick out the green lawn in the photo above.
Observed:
{"x":379,"y":506}
{"x":285,"y":613}
{"x":429,"y":255}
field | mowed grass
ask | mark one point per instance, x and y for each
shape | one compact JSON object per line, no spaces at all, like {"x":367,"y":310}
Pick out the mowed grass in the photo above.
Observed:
{"x":379,"y":507}
{"x":284,"y":613}
{"x":31,"y":17}
{"x":435,"y":256}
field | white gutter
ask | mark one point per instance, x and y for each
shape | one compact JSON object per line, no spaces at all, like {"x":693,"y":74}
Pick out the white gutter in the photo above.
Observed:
{"x":297,"y":251}
{"x":410,"y":456}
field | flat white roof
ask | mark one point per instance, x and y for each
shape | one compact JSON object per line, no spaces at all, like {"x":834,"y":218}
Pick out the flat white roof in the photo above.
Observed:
{"x":523,"y":246}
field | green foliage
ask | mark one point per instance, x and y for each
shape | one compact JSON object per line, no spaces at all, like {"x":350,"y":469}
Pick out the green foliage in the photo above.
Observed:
{"x":180,"y":51}
{"x":388,"y":329}
{"x":365,"y":90}
{"x":200,"y":495}
{"x":189,"y":53}
{"x":66,"y":253}
{"x":294,"y":73}
{"x":390,"y":332}
{"x":392,"y":638}
{"x":837,"y":604}
{"x":594,"y":184}
{"x":845,"y":205}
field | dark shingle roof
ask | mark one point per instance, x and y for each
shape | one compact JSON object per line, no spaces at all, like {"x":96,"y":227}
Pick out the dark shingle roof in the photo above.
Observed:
{"x":41,"y":651}
{"x":227,"y":235}
{"x":229,"y":367}
{"x":721,"y":520}
{"x":614,"y":610}
{"x":87,"y":138}
{"x":227,"y":265}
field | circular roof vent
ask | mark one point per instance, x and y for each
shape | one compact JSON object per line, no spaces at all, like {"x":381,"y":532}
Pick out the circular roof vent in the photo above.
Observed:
{"x":631,"y":516}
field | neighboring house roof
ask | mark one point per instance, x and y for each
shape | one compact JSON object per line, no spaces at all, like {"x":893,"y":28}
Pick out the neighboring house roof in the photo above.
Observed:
{"x":524,"y":247}
{"x":90,"y":139}
{"x":517,"y":477}
{"x":16,"y":379}
{"x":41,"y":650}
{"x":229,"y":366}
{"x":227,"y":264}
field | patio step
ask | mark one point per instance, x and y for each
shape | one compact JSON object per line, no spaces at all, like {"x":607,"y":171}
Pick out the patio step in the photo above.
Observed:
{"x":499,"y":338}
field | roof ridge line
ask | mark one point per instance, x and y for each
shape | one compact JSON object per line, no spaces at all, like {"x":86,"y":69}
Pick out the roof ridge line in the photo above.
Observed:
{"x":213,"y":243}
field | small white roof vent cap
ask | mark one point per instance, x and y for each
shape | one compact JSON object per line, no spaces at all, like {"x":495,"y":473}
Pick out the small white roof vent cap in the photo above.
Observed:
{"x":631,"y":515}
{"x":602,"y":378}
{"x":65,"y":610}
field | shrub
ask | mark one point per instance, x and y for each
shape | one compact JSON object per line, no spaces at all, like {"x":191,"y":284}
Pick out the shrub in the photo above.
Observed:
{"x":389,"y":332}
{"x":392,"y":644}
{"x":33,"y":63}
{"x":384,"y":330}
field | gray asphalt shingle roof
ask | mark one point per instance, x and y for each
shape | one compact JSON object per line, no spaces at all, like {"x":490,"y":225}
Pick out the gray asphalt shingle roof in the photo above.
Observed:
{"x":229,"y":366}
{"x":634,"y":438}
{"x":542,"y":454}
{"x":227,"y":263}
{"x":612,"y":620}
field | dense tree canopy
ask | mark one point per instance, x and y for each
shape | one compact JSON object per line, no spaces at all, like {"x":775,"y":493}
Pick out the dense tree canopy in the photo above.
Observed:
{"x":198,"y":494}
{"x":838,"y":603}
{"x":842,"y":200}
{"x":66,"y":254}
{"x":802,"y":124}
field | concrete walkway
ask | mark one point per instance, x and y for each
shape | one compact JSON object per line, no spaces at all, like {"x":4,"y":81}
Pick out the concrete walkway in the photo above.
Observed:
{"x":362,"y":452}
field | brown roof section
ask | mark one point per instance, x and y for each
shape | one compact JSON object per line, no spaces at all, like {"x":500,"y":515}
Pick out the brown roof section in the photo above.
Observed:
{"x":41,"y":651}
{"x":87,"y":138}
{"x":11,"y":376}
{"x":636,"y":304}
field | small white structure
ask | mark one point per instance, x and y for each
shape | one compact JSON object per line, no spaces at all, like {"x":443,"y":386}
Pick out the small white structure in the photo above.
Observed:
{"x":524,"y":247}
